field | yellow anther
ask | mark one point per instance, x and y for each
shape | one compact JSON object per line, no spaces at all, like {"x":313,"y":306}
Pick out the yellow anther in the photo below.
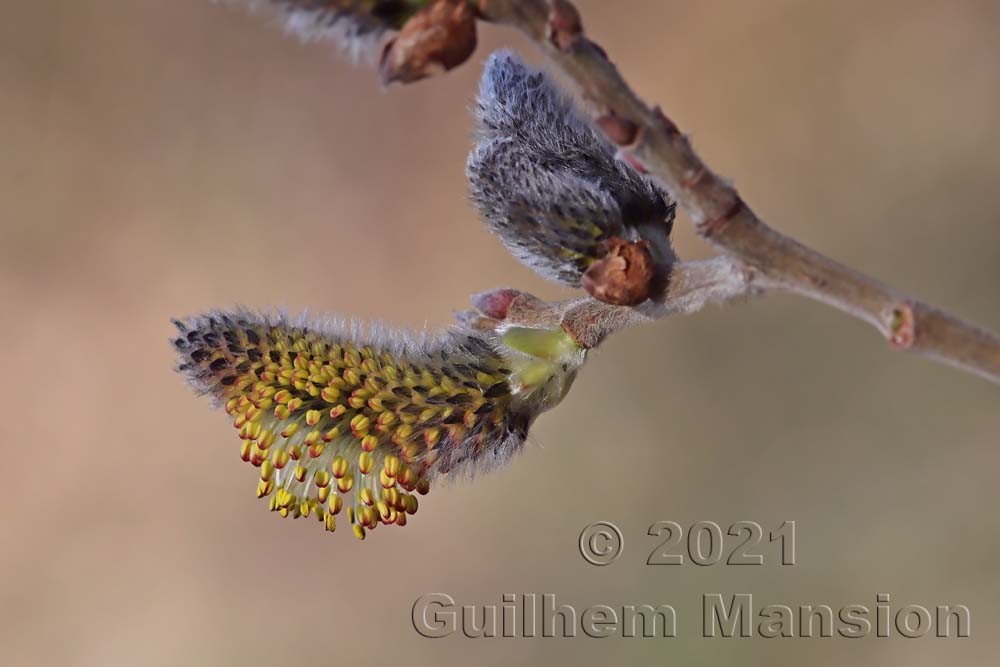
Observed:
{"x":365,"y":462}
{"x":285,"y":498}
{"x":345,"y":483}
{"x":360,"y":424}
{"x":279,"y":458}
{"x":312,"y":417}
{"x":339,"y":466}
{"x":264,"y":487}
{"x":391,"y":465}
{"x":266,"y":439}
{"x":400,"y":503}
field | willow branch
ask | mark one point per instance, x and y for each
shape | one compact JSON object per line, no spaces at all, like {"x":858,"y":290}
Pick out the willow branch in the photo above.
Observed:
{"x":653,"y":144}
{"x":692,"y":286}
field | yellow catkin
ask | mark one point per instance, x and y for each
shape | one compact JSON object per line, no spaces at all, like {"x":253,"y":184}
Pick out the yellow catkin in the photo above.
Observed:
{"x":332,"y":423}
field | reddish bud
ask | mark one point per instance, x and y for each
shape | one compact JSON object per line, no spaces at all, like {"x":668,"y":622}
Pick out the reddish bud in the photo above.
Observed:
{"x":435,"y":39}
{"x":619,"y":130}
{"x":495,"y":303}
{"x":565,"y":25}
{"x":624,"y":276}
{"x":902,"y":326}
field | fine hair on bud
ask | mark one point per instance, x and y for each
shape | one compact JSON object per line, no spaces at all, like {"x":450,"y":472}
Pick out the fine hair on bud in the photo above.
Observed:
{"x":342,"y":417}
{"x":548,"y":183}
{"x":356,"y":26}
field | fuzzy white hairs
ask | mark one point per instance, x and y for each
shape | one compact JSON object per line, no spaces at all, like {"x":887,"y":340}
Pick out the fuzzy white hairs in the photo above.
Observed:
{"x":547,"y":184}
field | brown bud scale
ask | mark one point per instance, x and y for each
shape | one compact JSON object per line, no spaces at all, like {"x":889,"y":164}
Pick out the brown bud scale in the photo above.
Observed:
{"x":624,"y":276}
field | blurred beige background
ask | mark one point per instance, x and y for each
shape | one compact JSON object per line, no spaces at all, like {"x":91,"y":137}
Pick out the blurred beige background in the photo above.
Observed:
{"x":162,"y":158}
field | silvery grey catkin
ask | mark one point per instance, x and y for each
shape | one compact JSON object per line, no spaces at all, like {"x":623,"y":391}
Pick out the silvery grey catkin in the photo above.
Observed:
{"x":548,"y":184}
